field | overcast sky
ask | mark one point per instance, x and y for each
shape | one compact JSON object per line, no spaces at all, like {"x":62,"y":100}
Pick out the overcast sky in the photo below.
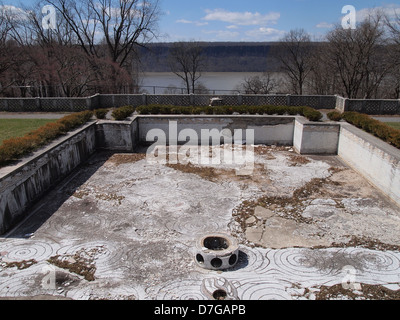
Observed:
{"x":252,"y":20}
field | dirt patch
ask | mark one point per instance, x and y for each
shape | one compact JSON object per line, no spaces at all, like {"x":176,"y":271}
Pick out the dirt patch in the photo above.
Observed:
{"x":265,"y":152}
{"x":110,"y":197}
{"x":367,"y":292}
{"x":318,"y":214}
{"x":20,"y":265}
{"x":147,"y":240}
{"x":318,"y":187}
{"x":297,"y":160}
{"x":207,"y":173}
{"x":110,"y":297}
{"x":119,"y":159}
{"x":80,"y":263}
{"x":313,"y":188}
{"x":285,"y":207}
{"x":367,"y":243}
{"x":80,"y":194}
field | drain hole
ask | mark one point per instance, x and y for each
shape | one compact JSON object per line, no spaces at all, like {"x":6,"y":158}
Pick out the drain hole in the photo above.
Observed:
{"x":232,"y":259}
{"x":199,"y":258}
{"x":219,"y":294}
{"x":216,"y":243}
{"x":216,"y":262}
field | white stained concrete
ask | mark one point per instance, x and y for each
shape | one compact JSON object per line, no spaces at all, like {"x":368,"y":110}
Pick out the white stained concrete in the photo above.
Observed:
{"x":23,"y":184}
{"x":116,"y":135}
{"x":315,"y":138}
{"x":375,"y":160}
{"x":274,"y":135}
{"x":202,"y":129}
{"x":136,"y":224}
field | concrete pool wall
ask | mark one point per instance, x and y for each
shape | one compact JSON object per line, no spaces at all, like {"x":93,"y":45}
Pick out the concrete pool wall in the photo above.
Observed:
{"x":377,"y":161}
{"x":23,"y":184}
{"x":267,"y":130}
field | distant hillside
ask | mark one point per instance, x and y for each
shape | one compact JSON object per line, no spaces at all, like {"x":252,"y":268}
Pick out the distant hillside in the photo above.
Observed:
{"x":221,"y":57}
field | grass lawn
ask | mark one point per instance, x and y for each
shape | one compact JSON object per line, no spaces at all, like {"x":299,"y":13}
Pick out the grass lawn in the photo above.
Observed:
{"x":14,"y":128}
{"x":395,"y":125}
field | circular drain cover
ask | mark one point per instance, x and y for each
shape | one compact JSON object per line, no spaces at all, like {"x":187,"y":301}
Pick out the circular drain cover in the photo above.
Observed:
{"x":216,"y":251}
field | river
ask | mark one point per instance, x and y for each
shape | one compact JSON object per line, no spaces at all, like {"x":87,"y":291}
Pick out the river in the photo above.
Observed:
{"x":215,"y":82}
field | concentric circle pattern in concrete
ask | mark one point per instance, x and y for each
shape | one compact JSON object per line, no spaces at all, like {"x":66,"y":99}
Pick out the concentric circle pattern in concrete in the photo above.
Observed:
{"x":122,"y":228}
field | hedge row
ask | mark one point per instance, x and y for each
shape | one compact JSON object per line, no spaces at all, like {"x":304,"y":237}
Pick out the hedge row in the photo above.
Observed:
{"x":310,"y":113}
{"x":100,"y":113}
{"x":370,"y":125}
{"x":15,"y":148}
{"x":123,"y":113}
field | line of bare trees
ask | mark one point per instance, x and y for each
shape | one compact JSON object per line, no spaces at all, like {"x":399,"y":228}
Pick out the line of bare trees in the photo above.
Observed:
{"x":354,"y":63}
{"x":93,"y":47}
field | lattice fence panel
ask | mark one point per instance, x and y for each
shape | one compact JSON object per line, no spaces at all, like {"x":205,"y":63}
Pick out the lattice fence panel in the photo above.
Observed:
{"x":390,"y":107}
{"x":371,"y":107}
{"x":53,"y":105}
{"x":110,"y":101}
{"x":231,"y":100}
{"x":29,"y":105}
{"x":135,"y":100}
{"x":63,"y":104}
{"x":14,"y":105}
{"x":356,"y":105}
{"x":153,"y":99}
{"x":326,"y":102}
{"x":78,"y":104}
{"x":279,"y":100}
{"x":106,"y":101}
{"x":18,"y":105}
{"x":300,"y":101}
{"x":120,"y":101}
{"x":174,"y":100}
{"x":253,"y":100}
{"x":201,"y":100}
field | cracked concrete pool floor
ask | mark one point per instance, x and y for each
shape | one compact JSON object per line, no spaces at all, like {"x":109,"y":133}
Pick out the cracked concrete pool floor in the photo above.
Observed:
{"x":121,"y":227}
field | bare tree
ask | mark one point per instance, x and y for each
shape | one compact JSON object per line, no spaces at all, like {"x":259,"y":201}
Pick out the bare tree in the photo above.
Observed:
{"x":121,"y":24}
{"x":50,"y":62}
{"x":107,"y":31}
{"x":392,"y":23}
{"x":186,"y":60}
{"x":264,"y":84}
{"x":322,"y":79}
{"x":359,"y":57}
{"x":179,"y":63}
{"x":294,"y":54}
{"x":6,"y":48}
